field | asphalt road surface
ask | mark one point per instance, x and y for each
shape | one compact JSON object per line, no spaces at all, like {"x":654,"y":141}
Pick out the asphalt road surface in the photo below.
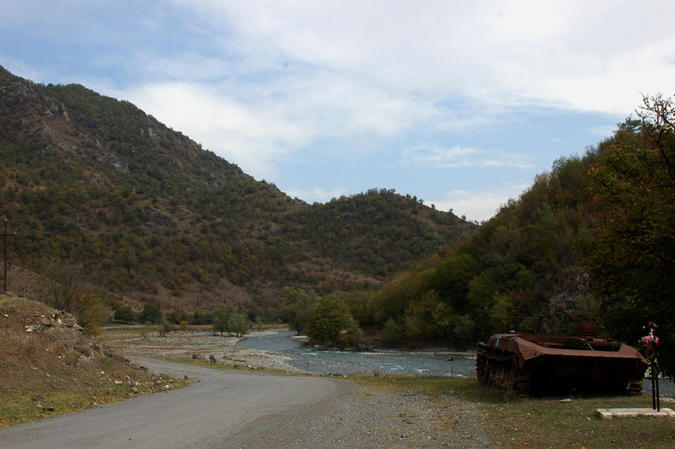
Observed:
{"x":220,"y":411}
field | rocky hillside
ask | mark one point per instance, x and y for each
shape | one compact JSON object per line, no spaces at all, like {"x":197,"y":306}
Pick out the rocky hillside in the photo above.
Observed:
{"x":47,"y":365}
{"x":95,"y":187}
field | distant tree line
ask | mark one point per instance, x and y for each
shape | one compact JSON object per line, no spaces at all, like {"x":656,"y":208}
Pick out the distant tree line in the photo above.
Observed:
{"x":227,"y":319}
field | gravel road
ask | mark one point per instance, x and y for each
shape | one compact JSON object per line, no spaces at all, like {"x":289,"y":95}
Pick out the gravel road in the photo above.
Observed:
{"x":233,"y":409}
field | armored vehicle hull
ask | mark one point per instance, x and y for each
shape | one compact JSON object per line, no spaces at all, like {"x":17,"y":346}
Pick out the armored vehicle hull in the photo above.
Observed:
{"x":538,"y":364}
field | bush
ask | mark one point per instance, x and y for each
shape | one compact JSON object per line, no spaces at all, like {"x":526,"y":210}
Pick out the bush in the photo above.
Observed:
{"x":165,"y":327}
{"x":124,"y":313}
{"x":151,"y":314}
{"x":90,"y":312}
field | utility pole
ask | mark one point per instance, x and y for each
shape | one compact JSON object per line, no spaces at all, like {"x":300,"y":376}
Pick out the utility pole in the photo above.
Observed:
{"x":4,"y":253}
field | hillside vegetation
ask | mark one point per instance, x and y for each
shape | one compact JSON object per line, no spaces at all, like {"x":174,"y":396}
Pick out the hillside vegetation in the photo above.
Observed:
{"x":99,"y":191}
{"x":589,"y":247}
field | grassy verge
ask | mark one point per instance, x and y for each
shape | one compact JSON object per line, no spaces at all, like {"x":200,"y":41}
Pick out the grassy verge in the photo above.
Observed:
{"x":27,"y":406}
{"x":545,"y":422}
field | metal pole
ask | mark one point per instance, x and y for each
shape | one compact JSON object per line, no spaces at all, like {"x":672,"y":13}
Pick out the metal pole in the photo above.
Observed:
{"x":653,"y":386}
{"x":4,"y":253}
{"x":658,"y":395}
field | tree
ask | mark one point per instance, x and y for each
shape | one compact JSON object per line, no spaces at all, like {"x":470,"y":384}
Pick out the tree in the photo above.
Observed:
{"x":238,"y":322}
{"x":300,"y":310}
{"x":220,"y":318}
{"x":633,"y":183}
{"x":332,"y":322}
{"x":230,"y":320}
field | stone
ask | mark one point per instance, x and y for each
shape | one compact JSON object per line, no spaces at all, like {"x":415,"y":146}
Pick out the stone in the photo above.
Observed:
{"x":69,"y":321}
{"x":610,"y":413}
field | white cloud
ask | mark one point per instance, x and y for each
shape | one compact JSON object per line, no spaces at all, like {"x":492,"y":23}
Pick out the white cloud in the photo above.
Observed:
{"x":252,"y":137}
{"x":575,"y":54}
{"x":253,"y":124}
{"x":459,"y":156}
{"x":478,"y":205}
{"x":316,"y":194}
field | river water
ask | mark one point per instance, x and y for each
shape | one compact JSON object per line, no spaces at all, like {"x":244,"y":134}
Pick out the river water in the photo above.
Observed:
{"x":436,"y":362}
{"x":439,"y":362}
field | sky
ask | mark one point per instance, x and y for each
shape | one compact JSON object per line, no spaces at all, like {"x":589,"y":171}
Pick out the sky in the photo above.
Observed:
{"x":459,"y":103}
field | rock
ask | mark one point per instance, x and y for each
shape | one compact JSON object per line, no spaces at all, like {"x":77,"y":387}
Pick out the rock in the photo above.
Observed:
{"x":43,"y":320}
{"x":69,"y":321}
{"x":134,"y":390}
{"x":566,"y":400}
{"x":84,"y":350}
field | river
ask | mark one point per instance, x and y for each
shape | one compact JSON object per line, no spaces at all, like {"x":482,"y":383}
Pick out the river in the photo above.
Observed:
{"x":437,"y":362}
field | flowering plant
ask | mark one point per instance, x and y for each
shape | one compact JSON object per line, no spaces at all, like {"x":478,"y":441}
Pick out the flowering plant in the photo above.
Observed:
{"x":650,"y":341}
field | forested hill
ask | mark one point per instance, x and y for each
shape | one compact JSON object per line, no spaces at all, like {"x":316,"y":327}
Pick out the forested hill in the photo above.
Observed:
{"x":97,"y":189}
{"x":366,"y":232}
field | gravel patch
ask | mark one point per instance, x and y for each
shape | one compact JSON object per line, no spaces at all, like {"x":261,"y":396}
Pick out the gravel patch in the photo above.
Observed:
{"x":366,"y":417}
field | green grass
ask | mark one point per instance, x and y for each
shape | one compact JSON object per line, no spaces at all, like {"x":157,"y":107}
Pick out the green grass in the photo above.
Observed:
{"x":26,"y":407}
{"x":543,"y":422}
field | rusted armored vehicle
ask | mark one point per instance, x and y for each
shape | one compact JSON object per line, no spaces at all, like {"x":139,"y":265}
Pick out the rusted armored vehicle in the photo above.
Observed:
{"x":538,"y":364}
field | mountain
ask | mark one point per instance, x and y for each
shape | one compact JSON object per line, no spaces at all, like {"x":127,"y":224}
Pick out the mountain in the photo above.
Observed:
{"x":95,"y":188}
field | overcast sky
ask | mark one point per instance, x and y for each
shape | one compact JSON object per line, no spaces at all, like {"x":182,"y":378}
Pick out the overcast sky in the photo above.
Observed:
{"x":460,"y":103}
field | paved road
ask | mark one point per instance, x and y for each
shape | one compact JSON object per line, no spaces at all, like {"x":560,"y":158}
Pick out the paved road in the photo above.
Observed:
{"x":208,"y":414}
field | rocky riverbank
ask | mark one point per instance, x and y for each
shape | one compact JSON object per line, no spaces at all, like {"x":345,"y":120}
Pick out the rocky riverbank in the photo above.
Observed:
{"x":194,"y":345}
